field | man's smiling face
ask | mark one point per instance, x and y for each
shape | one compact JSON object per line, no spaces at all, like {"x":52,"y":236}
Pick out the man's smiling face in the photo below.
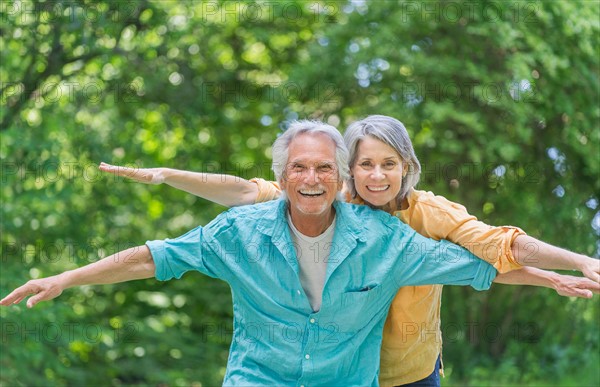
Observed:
{"x":311,"y":179}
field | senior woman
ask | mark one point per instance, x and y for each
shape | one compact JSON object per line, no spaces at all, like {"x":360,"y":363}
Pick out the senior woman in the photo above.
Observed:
{"x":384,"y":172}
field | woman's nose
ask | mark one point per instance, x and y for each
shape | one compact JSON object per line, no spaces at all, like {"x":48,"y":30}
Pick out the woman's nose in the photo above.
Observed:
{"x":377,"y":174}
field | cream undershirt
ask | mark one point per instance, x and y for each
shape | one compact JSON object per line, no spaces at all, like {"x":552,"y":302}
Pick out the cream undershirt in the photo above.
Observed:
{"x":312,"y":254}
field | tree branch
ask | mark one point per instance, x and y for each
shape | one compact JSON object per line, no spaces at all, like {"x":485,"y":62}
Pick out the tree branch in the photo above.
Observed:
{"x":56,"y":62}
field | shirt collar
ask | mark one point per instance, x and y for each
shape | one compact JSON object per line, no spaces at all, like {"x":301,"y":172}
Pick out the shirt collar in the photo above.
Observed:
{"x":347,"y":222}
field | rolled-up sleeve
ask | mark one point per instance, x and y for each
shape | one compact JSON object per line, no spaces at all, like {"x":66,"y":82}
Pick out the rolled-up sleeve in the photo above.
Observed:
{"x":492,"y":244}
{"x":436,"y":217}
{"x":174,"y":257}
{"x":267,"y":190}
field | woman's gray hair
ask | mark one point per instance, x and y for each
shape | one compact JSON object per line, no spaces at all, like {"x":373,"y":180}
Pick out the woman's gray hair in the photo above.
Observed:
{"x":393,"y":133}
{"x":296,"y":128}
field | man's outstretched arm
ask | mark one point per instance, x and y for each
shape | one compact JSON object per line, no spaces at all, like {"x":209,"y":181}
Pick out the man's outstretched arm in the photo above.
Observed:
{"x":565,"y":285}
{"x":127,"y":265}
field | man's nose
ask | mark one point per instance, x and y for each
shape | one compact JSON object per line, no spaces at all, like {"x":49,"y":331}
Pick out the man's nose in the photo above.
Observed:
{"x":312,"y":177}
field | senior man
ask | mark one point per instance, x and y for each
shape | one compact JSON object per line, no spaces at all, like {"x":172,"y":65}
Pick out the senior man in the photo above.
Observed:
{"x":312,"y":277}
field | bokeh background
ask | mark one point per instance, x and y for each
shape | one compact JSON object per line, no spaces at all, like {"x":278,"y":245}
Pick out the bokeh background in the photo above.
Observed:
{"x":501,"y":100}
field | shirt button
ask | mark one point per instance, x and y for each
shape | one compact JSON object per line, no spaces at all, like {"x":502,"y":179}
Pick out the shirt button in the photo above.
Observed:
{"x":312,"y":321}
{"x":307,"y":356}
{"x":298,"y":291}
{"x":302,"y":385}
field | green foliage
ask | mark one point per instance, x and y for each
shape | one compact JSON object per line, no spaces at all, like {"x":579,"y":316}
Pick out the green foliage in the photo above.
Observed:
{"x":501,"y":100}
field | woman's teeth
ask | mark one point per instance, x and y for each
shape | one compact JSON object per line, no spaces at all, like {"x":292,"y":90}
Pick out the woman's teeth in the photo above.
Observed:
{"x":377,"y":188}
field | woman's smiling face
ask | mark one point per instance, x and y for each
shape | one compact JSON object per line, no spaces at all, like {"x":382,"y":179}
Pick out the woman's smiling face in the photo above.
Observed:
{"x":378,"y":173}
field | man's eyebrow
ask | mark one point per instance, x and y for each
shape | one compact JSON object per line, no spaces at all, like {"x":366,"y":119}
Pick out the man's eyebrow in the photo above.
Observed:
{"x":321,"y":162}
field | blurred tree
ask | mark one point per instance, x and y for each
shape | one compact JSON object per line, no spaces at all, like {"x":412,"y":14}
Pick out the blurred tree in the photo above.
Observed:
{"x":501,"y":100}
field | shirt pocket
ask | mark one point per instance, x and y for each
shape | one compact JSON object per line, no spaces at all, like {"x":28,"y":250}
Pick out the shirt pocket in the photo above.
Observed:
{"x":358,"y":307}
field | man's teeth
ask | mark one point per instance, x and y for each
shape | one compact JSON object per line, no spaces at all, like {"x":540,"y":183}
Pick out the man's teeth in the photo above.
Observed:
{"x":378,"y":188}
{"x":311,"y":192}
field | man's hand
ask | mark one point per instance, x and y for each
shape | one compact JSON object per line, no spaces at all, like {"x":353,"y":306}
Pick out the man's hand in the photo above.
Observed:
{"x":43,"y":289}
{"x":142,"y":175}
{"x":127,"y":265}
{"x":570,"y":286}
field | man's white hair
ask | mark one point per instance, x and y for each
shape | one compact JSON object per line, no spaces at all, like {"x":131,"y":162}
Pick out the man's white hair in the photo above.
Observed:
{"x":282,"y":144}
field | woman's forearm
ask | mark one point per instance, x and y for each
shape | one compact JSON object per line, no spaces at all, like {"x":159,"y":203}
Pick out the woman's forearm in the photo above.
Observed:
{"x":226,"y":190}
{"x":529,"y":251}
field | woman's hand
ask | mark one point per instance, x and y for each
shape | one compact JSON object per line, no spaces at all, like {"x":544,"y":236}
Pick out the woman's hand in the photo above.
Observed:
{"x":141,"y":175}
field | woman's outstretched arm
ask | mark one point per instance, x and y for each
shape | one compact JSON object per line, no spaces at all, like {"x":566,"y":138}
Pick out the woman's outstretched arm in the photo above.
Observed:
{"x":226,"y":190}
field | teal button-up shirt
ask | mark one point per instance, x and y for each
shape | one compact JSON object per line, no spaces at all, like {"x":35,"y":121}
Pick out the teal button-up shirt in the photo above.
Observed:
{"x":277,"y":338}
